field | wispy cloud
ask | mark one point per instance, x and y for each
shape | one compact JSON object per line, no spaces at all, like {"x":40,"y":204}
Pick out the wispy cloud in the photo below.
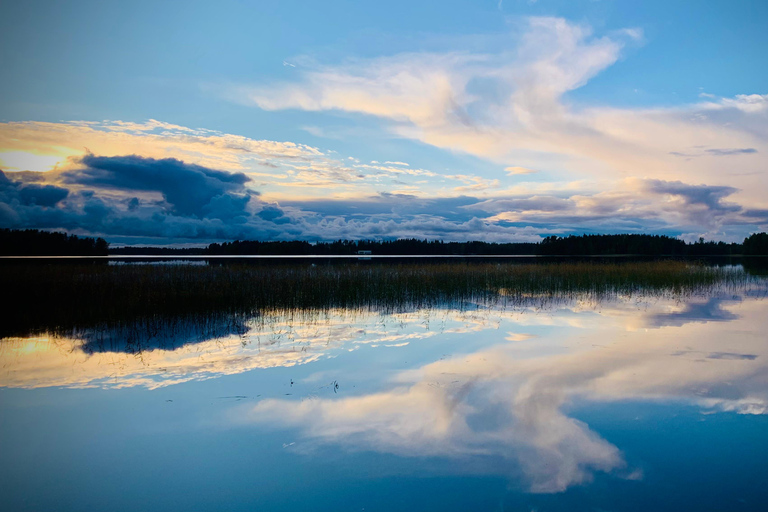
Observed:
{"x":512,"y":105}
{"x":516,"y":171}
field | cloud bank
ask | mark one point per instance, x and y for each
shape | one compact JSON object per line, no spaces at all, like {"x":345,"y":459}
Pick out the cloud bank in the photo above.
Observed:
{"x":195,"y":186}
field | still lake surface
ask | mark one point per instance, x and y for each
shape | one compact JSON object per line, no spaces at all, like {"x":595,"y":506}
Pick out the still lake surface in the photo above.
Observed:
{"x":636,"y":402}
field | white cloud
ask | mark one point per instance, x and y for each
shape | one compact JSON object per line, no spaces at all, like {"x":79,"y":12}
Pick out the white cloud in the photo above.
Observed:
{"x":516,"y":170}
{"x":510,"y":103}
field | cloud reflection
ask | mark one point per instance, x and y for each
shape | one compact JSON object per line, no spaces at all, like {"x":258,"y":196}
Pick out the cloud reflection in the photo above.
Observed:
{"x":502,"y":404}
{"x":506,"y":404}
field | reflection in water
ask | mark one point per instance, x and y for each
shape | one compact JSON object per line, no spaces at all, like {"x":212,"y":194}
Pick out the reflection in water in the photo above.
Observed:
{"x":503,"y":405}
{"x":499,"y":405}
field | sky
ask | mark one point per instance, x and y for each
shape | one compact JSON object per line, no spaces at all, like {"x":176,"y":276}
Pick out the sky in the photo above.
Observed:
{"x":185,"y":123}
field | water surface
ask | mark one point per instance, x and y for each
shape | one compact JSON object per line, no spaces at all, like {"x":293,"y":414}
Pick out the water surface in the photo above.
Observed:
{"x":553,"y":401}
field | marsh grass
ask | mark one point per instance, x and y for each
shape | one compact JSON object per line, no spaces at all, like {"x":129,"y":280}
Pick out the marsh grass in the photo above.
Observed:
{"x":62,"y":298}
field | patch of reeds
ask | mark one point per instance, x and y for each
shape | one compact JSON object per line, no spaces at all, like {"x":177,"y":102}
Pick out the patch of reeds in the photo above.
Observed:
{"x":58,"y":298}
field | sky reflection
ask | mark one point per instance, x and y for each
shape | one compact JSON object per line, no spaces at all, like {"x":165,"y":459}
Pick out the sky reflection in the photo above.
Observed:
{"x":493,"y":390}
{"x":507,"y":404}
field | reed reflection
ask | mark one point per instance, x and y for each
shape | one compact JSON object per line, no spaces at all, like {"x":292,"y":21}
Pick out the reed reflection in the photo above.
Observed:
{"x":162,"y":350}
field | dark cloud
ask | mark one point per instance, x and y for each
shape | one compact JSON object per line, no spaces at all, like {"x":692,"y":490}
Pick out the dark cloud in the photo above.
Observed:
{"x":29,"y":193}
{"x":274,"y":214}
{"x":715,"y":152}
{"x":732,"y":356}
{"x":189,"y":189}
{"x":757,"y":214}
{"x":730,"y":151}
{"x":709,"y":196}
{"x":44,"y":195}
{"x":197,"y":202}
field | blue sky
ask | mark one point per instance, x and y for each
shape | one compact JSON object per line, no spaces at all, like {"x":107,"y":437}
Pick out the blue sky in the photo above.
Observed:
{"x":516,"y":119}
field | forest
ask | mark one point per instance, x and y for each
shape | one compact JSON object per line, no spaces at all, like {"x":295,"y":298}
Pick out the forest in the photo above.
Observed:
{"x":34,"y":242}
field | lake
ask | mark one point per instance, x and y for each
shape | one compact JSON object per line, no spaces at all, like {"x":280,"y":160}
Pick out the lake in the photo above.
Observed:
{"x":588,"y":388}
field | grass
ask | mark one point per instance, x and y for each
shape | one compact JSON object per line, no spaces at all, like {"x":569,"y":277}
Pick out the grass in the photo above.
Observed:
{"x":60,"y":298}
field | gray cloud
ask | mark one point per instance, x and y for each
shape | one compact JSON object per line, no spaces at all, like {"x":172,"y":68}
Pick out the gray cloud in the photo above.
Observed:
{"x":137,"y":200}
{"x":18,"y":196}
{"x":715,"y":152}
{"x":30,"y":194}
{"x":730,"y":151}
{"x":190,"y":189}
{"x":534,"y":203}
{"x":709,"y":196}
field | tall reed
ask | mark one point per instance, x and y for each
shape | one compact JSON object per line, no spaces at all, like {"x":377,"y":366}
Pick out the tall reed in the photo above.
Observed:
{"x":60,"y":297}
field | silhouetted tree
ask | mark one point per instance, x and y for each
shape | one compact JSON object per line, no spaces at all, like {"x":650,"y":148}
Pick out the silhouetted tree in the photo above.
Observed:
{"x":32,"y":242}
{"x":756,"y":244}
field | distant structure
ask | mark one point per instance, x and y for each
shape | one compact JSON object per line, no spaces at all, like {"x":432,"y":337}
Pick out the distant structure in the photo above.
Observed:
{"x":364,"y":253}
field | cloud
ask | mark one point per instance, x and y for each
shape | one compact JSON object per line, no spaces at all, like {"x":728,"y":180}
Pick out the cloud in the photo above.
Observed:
{"x":516,"y":171}
{"x":178,"y":185}
{"x":714,"y":152}
{"x":631,"y":205}
{"x":751,"y":103}
{"x":188,"y":189}
{"x":730,"y":151}
{"x":134,"y":199}
{"x":710,"y":197}
{"x":511,"y":103}
{"x":17,"y":197}
{"x":133,"y":196}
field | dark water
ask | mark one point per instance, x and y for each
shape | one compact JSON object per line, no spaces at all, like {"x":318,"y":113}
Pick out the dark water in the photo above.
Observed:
{"x":634,"y":402}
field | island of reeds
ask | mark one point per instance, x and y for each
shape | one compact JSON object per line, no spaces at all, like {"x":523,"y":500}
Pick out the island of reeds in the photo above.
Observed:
{"x":64,"y":297}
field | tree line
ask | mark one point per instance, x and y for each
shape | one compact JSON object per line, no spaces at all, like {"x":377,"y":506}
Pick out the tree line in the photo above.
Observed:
{"x":34,"y":242}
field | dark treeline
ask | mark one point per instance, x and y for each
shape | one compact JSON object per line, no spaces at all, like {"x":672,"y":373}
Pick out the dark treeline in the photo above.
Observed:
{"x":32,"y":242}
{"x":387,"y":247}
{"x":756,"y":244}
{"x":158,"y":251}
{"x":43,"y":243}
{"x":648,"y":245}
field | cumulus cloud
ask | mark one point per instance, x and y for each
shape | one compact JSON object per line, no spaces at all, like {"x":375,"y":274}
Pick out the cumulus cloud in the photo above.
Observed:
{"x":189,"y":189}
{"x":133,"y":196}
{"x":145,"y":199}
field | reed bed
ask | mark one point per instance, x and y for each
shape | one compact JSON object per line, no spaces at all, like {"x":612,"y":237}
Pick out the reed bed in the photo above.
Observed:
{"x":58,"y":298}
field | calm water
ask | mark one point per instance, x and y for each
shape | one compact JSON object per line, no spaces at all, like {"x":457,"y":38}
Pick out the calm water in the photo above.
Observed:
{"x":654,"y":402}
